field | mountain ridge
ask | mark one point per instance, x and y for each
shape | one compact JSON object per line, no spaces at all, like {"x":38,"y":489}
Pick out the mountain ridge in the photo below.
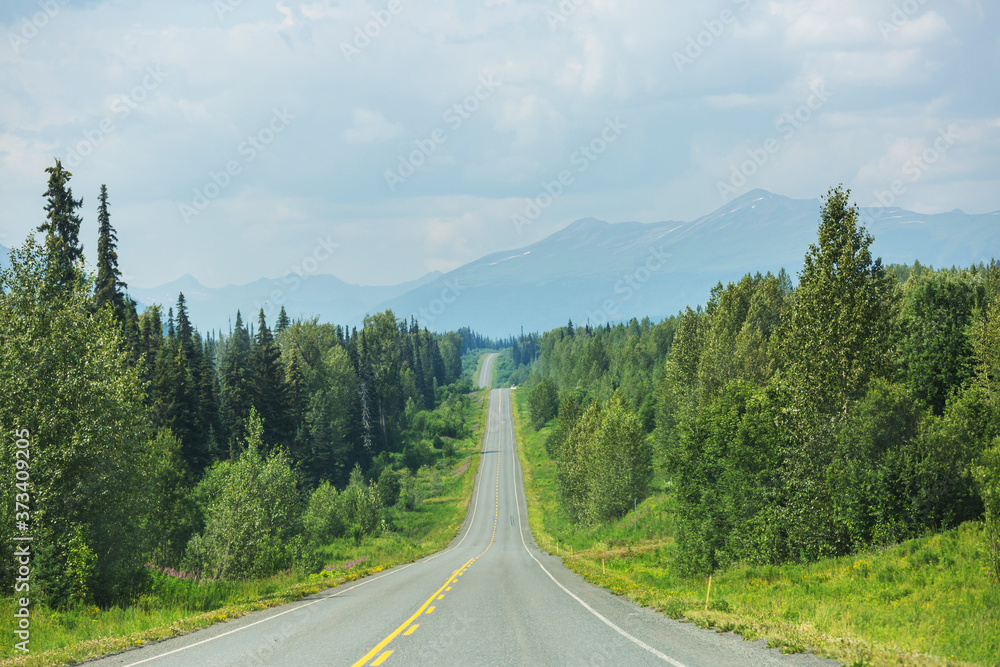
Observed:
{"x":594,"y":270}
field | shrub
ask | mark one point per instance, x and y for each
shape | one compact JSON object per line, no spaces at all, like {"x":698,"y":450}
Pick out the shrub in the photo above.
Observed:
{"x":252,"y":515}
{"x":323,"y":519}
{"x":987,"y":476}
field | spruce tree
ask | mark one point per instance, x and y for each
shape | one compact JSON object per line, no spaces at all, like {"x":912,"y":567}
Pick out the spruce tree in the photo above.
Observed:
{"x":237,"y":385}
{"x":269,"y":384}
{"x":108,"y":290}
{"x":282,"y":322}
{"x":62,"y":226}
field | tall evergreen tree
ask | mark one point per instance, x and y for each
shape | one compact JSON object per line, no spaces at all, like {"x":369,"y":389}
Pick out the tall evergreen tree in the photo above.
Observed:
{"x":62,"y":226}
{"x":282,"y":322}
{"x":109,"y":287}
{"x":269,"y":384}
{"x":236,"y":378}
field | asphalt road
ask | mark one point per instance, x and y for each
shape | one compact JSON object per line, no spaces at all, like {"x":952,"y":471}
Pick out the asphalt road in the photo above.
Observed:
{"x":490,"y":598}
{"x":486,"y":372}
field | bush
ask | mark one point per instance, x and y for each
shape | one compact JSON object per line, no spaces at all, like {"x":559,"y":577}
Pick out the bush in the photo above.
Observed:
{"x":543,"y":403}
{"x":987,"y":475}
{"x":252,"y":513}
{"x":323,"y":519}
{"x":388,"y":487}
{"x":410,"y":495}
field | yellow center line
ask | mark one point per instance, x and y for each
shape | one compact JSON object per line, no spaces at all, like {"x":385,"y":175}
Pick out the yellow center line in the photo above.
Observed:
{"x":385,"y":642}
{"x":412,"y":628}
{"x":454,"y":576}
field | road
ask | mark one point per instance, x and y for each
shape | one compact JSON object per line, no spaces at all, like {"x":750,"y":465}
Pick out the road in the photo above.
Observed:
{"x":490,"y":598}
{"x":486,"y":372}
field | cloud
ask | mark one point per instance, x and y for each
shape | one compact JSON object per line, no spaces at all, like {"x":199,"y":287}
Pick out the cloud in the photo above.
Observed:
{"x":355,"y":117}
{"x":370,"y":127}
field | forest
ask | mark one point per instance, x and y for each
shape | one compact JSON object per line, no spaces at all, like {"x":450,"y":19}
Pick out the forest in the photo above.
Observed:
{"x":156,"y":448}
{"x":859,"y":407}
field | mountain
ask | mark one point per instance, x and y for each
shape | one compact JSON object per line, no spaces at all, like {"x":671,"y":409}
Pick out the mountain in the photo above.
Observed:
{"x":320,"y":295}
{"x":601,"y":272}
{"x":595,"y":271}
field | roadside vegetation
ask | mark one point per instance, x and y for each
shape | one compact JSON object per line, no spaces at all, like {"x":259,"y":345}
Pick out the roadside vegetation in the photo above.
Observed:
{"x":781,"y":426}
{"x":925,"y":601}
{"x":426,"y":515}
{"x":165,"y":473}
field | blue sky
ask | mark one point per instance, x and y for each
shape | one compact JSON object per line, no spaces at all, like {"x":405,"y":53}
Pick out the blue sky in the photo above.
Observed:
{"x":392,"y":138}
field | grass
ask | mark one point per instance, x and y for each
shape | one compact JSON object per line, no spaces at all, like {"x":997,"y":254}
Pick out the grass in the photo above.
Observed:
{"x":927,"y":601}
{"x":60,"y":638}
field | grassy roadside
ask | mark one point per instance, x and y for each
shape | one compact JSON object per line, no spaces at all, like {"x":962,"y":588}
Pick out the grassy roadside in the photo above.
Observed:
{"x":60,"y":638}
{"x":927,"y":601}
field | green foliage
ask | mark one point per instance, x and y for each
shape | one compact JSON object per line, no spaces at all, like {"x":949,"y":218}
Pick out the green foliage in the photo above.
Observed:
{"x":174,"y":515}
{"x":730,"y":490}
{"x":544,"y":403}
{"x":81,"y":565}
{"x":870,"y":474}
{"x":62,"y":229}
{"x":935,"y":353}
{"x":942,"y":491}
{"x":323,"y":519}
{"x":987,"y":475}
{"x":839,"y":328}
{"x":605,"y":463}
{"x":388,"y":487}
{"x":621,"y":469}
{"x":65,"y":378}
{"x":252,"y":514}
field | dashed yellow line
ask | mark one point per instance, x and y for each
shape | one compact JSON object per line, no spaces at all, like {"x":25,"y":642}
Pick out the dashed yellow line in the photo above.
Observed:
{"x":408,"y":626}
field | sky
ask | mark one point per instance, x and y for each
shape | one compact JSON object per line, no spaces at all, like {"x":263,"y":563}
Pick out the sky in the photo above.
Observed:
{"x":378,"y":141}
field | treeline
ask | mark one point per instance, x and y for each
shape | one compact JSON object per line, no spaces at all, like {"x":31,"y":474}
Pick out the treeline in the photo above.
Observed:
{"x":229,"y":455}
{"x":857,"y":408}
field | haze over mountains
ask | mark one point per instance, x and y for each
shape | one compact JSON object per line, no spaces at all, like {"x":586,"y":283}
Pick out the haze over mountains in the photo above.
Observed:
{"x":595,"y":271}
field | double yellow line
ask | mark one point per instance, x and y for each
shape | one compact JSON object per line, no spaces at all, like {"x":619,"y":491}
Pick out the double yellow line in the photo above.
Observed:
{"x":426,"y":607}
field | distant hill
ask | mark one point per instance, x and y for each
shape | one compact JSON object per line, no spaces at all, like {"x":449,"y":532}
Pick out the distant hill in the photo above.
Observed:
{"x":613,"y":272}
{"x":595,"y":271}
{"x":321,"y":295}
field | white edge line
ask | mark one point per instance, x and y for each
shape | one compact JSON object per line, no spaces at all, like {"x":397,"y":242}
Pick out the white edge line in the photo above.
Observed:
{"x":477,"y":488}
{"x":635,"y":640}
{"x":271,"y":618}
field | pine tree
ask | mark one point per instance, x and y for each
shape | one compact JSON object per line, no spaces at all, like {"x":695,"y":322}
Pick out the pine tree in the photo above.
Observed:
{"x":185,"y":332}
{"x":282,"y":322}
{"x":109,"y":287}
{"x":269,"y":384}
{"x":237,"y":386}
{"x":62,"y":226}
